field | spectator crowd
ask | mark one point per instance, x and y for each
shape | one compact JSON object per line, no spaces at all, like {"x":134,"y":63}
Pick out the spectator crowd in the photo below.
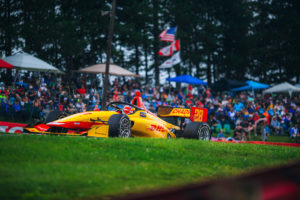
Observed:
{"x":33,"y":95}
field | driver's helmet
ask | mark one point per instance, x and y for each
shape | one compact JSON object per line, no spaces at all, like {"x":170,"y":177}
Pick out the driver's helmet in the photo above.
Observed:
{"x":127,"y":110}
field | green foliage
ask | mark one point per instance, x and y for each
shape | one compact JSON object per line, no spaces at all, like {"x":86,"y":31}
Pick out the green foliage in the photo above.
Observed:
{"x":57,"y":167}
{"x":232,"y":38}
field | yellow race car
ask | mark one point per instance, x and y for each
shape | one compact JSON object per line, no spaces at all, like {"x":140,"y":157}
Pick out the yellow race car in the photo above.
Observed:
{"x":122,"y":119}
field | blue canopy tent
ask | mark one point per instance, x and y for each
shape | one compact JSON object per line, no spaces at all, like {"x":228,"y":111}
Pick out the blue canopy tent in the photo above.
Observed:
{"x":251,"y":85}
{"x":187,"y":79}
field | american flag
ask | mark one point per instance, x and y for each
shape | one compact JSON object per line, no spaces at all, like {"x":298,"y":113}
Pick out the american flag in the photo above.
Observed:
{"x":168,"y":34}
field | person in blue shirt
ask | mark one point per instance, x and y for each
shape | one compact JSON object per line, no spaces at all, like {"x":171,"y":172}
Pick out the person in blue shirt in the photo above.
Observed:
{"x":276,"y":125}
{"x":294,"y":132}
{"x":266,"y":133}
{"x":238,"y":106}
{"x":221,"y":135}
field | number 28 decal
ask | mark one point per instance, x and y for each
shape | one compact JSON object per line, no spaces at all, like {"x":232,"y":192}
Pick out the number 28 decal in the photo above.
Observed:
{"x":198,"y":114}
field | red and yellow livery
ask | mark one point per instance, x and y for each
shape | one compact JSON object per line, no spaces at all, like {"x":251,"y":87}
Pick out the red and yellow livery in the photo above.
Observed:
{"x":128,"y":120}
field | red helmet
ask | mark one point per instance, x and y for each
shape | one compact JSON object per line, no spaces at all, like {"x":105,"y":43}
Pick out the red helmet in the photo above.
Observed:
{"x":126,"y":109}
{"x":137,"y":93}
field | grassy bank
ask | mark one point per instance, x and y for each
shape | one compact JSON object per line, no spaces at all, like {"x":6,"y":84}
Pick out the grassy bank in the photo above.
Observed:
{"x":58,"y":167}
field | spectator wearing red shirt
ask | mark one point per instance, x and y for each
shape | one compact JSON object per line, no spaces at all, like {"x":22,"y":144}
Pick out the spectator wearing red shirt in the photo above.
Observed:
{"x":188,"y":102}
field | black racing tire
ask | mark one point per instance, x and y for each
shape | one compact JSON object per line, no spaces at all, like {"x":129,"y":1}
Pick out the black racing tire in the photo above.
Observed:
{"x":119,"y":126}
{"x":55,"y":115}
{"x":197,"y":130}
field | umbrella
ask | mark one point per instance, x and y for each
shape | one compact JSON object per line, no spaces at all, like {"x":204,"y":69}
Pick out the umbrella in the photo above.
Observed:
{"x":187,"y":79}
{"x":4,"y":64}
{"x":251,"y":85}
{"x":225,"y":84}
{"x":28,"y":62}
{"x":284,"y":87}
{"x":113,"y":70}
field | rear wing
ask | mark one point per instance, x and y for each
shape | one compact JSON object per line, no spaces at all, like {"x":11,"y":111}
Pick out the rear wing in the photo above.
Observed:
{"x":195,"y":114}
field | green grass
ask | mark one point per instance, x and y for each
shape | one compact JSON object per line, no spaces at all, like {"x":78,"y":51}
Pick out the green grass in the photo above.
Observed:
{"x":272,"y":138}
{"x":58,"y":167}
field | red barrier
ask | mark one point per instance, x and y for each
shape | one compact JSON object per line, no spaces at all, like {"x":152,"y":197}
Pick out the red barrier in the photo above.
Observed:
{"x":263,"y":143}
{"x":274,"y":143}
{"x":8,"y":127}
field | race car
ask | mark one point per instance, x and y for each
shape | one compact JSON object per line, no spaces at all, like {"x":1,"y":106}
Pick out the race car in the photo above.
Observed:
{"x":122,"y":119}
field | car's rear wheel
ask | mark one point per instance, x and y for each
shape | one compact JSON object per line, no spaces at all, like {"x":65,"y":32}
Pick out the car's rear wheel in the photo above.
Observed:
{"x":119,"y":126}
{"x":197,"y":130}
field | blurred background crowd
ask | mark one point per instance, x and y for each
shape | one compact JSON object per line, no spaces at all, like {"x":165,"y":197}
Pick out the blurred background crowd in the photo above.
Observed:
{"x":32,"y":96}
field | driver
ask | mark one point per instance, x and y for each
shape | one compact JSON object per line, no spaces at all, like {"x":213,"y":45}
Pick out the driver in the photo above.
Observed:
{"x":137,"y":100}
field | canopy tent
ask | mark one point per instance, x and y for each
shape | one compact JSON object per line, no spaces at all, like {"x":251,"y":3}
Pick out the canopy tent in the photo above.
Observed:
{"x":4,"y":64}
{"x":28,"y":62}
{"x":187,"y":79}
{"x":113,"y":70}
{"x":251,"y":85}
{"x":284,"y":87}
{"x":225,"y":84}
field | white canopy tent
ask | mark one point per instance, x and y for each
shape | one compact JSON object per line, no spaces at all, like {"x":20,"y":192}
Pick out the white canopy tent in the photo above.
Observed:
{"x":113,"y":70}
{"x":284,"y":87}
{"x":26,"y":61}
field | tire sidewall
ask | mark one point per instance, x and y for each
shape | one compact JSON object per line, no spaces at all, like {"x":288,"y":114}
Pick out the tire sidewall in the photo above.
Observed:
{"x":194,"y":130}
{"x":125,"y":121}
{"x":204,"y":129}
{"x":117,"y":123}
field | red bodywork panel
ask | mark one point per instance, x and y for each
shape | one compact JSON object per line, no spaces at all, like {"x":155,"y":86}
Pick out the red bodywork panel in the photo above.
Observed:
{"x":74,"y":124}
{"x":42,"y":127}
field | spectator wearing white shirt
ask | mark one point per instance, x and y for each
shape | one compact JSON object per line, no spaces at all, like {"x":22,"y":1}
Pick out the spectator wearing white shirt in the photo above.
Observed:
{"x":294,"y":131}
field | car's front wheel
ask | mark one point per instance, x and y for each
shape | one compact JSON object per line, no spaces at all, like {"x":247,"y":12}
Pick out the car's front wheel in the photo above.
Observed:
{"x":119,"y":126}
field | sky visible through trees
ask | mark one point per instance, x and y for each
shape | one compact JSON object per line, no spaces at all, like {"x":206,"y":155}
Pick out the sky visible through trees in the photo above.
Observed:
{"x":236,"y":39}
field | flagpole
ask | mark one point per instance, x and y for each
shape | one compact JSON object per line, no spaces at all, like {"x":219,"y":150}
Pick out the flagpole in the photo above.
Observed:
{"x":169,"y":73}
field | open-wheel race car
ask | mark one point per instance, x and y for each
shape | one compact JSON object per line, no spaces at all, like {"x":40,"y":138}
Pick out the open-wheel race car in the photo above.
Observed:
{"x":122,"y":119}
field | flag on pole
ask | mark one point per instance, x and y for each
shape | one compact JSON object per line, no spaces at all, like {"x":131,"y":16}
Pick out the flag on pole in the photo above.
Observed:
{"x":176,"y":45}
{"x":166,"y":64}
{"x":168,"y":50}
{"x":168,"y":34}
{"x":175,"y":59}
